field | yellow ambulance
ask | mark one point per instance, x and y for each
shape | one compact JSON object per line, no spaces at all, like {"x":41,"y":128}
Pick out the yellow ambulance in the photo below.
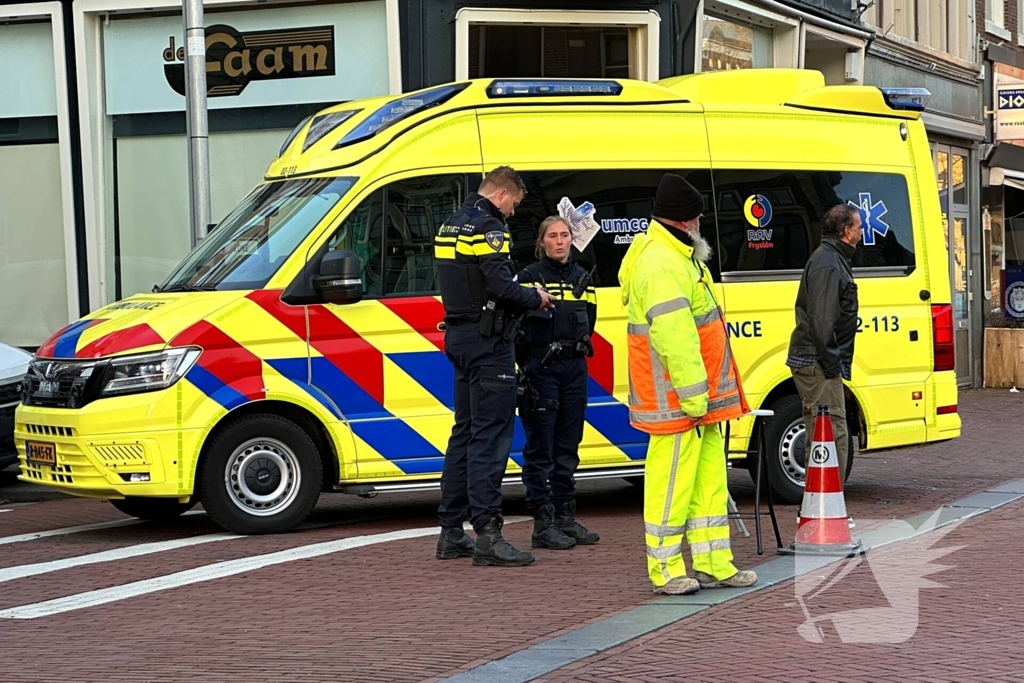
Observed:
{"x":297,"y":349}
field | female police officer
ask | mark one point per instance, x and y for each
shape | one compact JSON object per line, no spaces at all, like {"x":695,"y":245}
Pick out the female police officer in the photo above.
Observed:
{"x":551,"y":352}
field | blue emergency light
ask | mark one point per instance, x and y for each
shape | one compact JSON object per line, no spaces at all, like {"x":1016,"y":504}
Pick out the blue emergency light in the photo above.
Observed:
{"x":560,"y":88}
{"x":907,"y":99}
{"x":396,"y":110}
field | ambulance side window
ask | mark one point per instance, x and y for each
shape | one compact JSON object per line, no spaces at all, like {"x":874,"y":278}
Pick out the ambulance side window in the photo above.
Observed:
{"x":361,"y":233}
{"x":622,"y":201}
{"x":770,"y":221}
{"x":416,"y":208}
{"x":392,"y":232}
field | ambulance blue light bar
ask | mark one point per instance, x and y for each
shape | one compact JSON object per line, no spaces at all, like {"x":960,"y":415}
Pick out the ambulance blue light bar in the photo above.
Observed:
{"x":396,"y":110}
{"x":907,"y":99}
{"x":558,"y":88}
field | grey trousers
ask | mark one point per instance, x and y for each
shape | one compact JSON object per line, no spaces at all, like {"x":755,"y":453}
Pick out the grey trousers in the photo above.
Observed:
{"x":816,"y":389}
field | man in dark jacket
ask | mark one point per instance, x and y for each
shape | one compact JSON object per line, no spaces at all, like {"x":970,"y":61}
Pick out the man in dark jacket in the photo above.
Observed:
{"x":821,"y":347}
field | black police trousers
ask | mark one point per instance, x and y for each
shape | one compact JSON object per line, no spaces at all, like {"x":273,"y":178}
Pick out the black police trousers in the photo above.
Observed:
{"x":553,"y":436}
{"x":485,"y":403}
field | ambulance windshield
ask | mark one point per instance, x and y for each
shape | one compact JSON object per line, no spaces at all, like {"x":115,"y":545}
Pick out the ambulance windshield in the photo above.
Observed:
{"x":246,"y":248}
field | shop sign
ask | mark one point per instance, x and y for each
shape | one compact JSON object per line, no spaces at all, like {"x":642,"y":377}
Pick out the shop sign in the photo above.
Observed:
{"x":1009,"y":96}
{"x":262,"y":57}
{"x":234,"y":59}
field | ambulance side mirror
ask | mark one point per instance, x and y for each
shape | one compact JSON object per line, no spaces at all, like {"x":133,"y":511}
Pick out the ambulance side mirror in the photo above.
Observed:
{"x":340,"y":280}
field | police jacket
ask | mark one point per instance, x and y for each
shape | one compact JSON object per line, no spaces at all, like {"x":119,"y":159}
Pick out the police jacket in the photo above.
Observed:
{"x":572,"y":319}
{"x":826,"y":310}
{"x":473,"y":265}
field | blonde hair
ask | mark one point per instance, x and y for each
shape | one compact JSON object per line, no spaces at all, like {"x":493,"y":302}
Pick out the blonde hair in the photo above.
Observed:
{"x":542,"y":230}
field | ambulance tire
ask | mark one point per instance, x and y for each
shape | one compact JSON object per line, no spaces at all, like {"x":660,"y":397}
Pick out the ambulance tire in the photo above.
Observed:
{"x":281,"y":474}
{"x":158,"y":509}
{"x":782,"y":432}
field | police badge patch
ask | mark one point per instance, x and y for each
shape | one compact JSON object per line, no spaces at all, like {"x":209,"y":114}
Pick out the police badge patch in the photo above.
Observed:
{"x":495,"y":239}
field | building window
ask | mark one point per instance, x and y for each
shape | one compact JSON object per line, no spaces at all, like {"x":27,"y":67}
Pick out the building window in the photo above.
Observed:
{"x":548,"y":51}
{"x":946,"y":26}
{"x":995,"y":12}
{"x":508,"y":43}
{"x":729,"y":44}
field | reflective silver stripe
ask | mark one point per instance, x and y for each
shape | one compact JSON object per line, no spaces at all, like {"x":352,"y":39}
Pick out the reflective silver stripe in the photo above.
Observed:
{"x":692,"y":390}
{"x":638,"y":328}
{"x":705,"y":547}
{"x":707,"y":522}
{"x":670,"y":494}
{"x":726,"y":402}
{"x":655,"y":416}
{"x":658,"y":375}
{"x":723,"y":377}
{"x":663,"y":531}
{"x":665,"y":553}
{"x":726,"y":386}
{"x":709,"y":317}
{"x":634,"y":400}
{"x":677,"y":304}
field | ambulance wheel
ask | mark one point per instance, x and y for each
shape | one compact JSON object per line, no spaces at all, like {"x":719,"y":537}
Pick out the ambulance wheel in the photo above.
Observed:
{"x":153,"y":508}
{"x":785,"y":433}
{"x":261,"y":475}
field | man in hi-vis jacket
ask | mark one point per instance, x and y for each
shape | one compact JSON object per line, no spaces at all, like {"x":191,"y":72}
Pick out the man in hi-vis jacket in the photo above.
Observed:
{"x":683,"y":385}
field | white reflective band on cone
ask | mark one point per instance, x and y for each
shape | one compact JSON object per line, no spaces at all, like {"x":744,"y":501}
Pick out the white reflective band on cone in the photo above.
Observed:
{"x":823,"y":506}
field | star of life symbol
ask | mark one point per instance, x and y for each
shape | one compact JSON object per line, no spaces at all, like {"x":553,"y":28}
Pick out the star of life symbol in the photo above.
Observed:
{"x":871,"y":217}
{"x":899,"y":569}
{"x":581,"y":222}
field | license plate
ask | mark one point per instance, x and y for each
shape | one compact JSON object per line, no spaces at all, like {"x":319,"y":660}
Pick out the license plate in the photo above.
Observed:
{"x":48,"y":388}
{"x":41,"y":453}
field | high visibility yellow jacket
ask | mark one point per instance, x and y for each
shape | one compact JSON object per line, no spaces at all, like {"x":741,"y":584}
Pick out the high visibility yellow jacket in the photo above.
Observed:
{"x":681,"y":370}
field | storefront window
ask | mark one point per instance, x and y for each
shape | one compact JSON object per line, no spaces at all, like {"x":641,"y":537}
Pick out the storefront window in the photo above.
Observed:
{"x":729,"y":44}
{"x":33,"y":270}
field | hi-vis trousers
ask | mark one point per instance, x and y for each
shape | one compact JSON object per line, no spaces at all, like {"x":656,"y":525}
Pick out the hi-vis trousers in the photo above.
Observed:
{"x":685,"y":492}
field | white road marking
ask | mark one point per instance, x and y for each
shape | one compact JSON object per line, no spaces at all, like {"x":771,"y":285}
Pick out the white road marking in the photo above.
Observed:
{"x":23,"y":571}
{"x":78,"y":529}
{"x":209,"y":572}
{"x":4,"y":510}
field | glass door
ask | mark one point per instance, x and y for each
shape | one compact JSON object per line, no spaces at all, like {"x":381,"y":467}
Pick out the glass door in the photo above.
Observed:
{"x":952,"y":178}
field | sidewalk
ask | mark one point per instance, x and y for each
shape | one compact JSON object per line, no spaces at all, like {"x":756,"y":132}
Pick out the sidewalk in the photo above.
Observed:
{"x":968,"y":629}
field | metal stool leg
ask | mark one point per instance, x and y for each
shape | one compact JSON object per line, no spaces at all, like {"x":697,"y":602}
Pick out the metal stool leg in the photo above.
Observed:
{"x":763,"y":455}
{"x":739,"y":522}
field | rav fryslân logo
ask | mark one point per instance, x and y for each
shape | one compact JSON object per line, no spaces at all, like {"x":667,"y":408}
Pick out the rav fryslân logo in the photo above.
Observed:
{"x":899,"y":570}
{"x":235,"y":58}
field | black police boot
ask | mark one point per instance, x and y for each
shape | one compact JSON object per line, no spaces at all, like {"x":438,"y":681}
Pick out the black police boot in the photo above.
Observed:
{"x":492,"y":549}
{"x":545,"y":533}
{"x":565,"y":520}
{"x":453,"y":543}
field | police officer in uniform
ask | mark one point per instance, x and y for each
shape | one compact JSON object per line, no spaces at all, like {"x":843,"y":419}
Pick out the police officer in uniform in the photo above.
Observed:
{"x":552,"y":353}
{"x":482,"y":304}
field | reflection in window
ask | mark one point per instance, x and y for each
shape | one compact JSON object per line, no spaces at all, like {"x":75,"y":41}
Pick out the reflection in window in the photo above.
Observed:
{"x":246,"y":248}
{"x":727,"y":44}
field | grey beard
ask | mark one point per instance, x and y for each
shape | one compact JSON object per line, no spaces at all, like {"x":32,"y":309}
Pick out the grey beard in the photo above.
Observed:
{"x":701,"y":249}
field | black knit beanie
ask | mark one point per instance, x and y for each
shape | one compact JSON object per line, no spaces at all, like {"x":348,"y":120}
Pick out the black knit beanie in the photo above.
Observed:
{"x":677,"y":200}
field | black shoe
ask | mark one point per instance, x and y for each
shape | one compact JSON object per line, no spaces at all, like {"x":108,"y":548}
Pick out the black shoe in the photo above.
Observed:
{"x":492,"y":549}
{"x":565,"y":520}
{"x":545,"y":533}
{"x":453,"y":543}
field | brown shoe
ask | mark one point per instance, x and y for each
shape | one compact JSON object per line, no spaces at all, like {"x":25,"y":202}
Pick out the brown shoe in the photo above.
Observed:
{"x":683,"y":585}
{"x":740,"y":579}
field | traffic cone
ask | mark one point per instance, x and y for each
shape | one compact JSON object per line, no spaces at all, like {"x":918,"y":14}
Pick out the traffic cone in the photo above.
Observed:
{"x":823,"y":529}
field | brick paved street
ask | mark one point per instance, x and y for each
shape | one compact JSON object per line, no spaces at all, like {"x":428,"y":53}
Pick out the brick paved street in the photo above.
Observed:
{"x":390,"y":612}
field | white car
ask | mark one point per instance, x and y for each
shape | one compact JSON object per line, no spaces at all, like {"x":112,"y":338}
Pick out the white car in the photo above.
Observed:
{"x":13,"y":366}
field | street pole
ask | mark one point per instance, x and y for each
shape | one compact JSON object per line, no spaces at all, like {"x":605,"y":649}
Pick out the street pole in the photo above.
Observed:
{"x":196,"y":125}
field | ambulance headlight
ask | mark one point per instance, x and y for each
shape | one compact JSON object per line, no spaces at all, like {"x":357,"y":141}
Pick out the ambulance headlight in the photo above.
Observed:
{"x":148,"y":371}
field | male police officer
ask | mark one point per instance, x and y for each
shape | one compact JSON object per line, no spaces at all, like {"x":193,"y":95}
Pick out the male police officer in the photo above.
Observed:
{"x":481,"y":301}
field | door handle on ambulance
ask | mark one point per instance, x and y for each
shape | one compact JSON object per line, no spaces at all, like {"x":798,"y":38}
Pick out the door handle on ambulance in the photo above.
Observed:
{"x":441,"y":327}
